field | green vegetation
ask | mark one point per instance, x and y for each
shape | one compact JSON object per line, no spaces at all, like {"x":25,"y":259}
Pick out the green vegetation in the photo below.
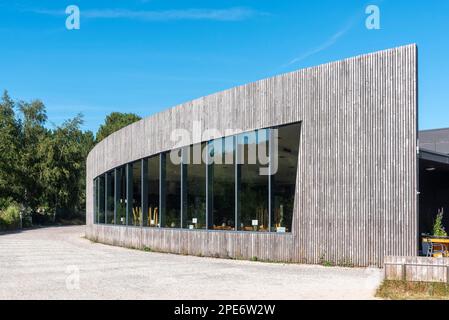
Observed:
{"x":406,"y":290}
{"x":42,"y":170}
{"x":345,"y":263}
{"x":438,"y":228}
{"x":10,"y":217}
{"x":324,"y":262}
{"x":115,"y":121}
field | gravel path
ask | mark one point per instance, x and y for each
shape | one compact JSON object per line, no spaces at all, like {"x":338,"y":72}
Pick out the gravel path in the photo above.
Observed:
{"x":58,"y":263}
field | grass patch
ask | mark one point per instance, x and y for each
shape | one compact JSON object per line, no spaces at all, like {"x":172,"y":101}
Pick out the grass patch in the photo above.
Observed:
{"x":325,"y":263}
{"x":407,"y":290}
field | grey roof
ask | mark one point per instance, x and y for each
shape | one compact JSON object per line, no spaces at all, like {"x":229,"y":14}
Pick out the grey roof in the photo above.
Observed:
{"x":436,"y":140}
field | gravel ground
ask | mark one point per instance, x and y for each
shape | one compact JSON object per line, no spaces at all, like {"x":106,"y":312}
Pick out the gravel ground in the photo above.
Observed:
{"x":58,"y":263}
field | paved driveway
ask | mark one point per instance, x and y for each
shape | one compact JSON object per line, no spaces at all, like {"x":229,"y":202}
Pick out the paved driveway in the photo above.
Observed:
{"x":58,"y":263}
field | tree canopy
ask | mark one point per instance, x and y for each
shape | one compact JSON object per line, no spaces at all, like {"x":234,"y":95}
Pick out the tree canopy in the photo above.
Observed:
{"x":10,"y":130}
{"x":41,"y":169}
{"x":114,"y":122}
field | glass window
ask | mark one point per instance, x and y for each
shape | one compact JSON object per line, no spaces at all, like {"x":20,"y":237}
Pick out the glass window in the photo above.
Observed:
{"x":222,"y":173}
{"x":121,"y":192}
{"x":172,"y":187}
{"x":135,"y":216}
{"x":253,"y":188}
{"x":195,"y":184}
{"x":283,"y":181}
{"x":110,"y":192}
{"x":151,"y":218}
{"x":211,"y":185}
{"x":101,"y":199}
{"x":96,"y":200}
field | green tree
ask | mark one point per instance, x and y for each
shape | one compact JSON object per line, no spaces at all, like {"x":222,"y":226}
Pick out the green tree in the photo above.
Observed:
{"x":63,"y":155}
{"x":87,"y":143}
{"x":438,"y":228}
{"x":43,"y":168}
{"x":33,"y":132}
{"x":114,"y":122}
{"x":9,"y":150}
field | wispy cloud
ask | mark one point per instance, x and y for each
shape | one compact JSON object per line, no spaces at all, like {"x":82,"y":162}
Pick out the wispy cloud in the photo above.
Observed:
{"x":229,"y":14}
{"x":330,"y":41}
{"x":327,"y":44}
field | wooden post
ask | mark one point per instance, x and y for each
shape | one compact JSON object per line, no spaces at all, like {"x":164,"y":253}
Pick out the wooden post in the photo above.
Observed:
{"x":403,"y":272}
{"x":447,"y":274}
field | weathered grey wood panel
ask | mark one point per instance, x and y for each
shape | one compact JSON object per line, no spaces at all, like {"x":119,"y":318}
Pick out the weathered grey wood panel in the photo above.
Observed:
{"x":356,"y":198}
{"x":421,"y":269}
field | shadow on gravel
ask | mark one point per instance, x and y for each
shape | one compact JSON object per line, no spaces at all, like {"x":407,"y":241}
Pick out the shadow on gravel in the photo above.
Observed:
{"x":17,"y":231}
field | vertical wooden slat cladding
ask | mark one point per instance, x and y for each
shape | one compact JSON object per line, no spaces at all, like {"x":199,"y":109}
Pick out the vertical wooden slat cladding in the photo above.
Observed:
{"x":355,"y":199}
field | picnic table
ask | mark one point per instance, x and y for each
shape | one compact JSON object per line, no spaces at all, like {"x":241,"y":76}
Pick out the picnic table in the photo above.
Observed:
{"x":436,"y":247}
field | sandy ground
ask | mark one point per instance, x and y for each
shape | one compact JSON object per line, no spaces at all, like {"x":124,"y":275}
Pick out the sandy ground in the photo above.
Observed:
{"x":58,"y":263}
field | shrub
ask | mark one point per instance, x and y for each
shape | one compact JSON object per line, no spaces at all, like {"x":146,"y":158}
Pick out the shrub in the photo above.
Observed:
{"x":10,"y":217}
{"x":4,"y":203}
{"x":438,"y":228}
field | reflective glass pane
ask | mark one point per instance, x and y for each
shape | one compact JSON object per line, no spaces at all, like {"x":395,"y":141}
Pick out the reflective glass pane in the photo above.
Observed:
{"x":172,"y":191}
{"x":195,"y":175}
{"x":222,"y":173}
{"x":151,"y":218}
{"x":253,"y":186}
{"x":135,"y":216}
{"x":101,"y":199}
{"x":110,"y":197}
{"x":121,"y":192}
{"x":283,"y":182}
{"x":96,"y":200}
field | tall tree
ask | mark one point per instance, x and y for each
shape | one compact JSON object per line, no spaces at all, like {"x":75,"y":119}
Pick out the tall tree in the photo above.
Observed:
{"x":114,"y":122}
{"x":46,"y":168}
{"x":87,"y":143}
{"x":9,"y":149}
{"x":34,"y":118}
{"x":63,"y":155}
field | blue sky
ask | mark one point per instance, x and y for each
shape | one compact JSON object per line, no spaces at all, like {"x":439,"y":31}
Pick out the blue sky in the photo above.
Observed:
{"x":144,"y":56}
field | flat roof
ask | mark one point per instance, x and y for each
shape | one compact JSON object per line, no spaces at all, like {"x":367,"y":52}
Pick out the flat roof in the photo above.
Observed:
{"x":433,"y":156}
{"x":436,"y":140}
{"x":432,"y":130}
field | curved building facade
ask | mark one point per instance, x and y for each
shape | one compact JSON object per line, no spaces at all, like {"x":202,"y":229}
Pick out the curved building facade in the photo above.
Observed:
{"x":310,"y":166}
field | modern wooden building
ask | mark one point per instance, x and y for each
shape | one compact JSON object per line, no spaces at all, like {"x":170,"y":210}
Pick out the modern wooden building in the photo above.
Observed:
{"x":335,"y":179}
